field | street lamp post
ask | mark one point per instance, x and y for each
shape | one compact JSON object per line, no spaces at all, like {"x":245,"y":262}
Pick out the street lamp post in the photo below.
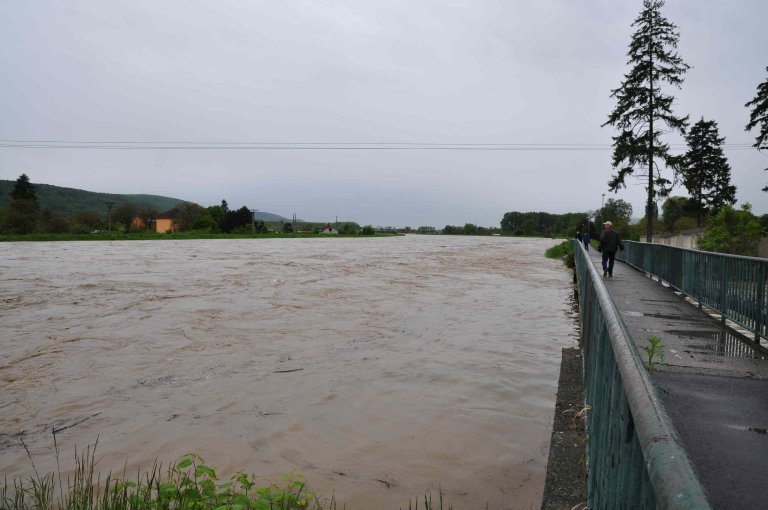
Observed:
{"x":253,"y":220}
{"x":602,"y":206}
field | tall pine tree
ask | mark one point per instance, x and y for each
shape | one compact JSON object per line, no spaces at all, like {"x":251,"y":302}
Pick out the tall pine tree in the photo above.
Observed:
{"x":707,"y":174}
{"x":23,"y":189}
{"x":759,"y":117}
{"x":24,"y":211}
{"x":641,"y":106}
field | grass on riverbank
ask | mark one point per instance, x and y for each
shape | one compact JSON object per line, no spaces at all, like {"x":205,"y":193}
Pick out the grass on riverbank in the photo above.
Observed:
{"x":190,"y":484}
{"x":151,"y":236}
{"x":563,"y":251}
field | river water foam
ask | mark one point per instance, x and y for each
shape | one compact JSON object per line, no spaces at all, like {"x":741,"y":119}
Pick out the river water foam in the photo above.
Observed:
{"x":380,"y":368}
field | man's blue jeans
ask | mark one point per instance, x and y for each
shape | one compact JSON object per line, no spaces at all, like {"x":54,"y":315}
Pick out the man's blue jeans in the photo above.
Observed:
{"x":608,"y":258}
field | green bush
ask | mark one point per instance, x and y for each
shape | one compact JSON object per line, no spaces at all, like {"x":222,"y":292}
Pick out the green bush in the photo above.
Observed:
{"x":734,"y":231}
{"x":563,"y":251}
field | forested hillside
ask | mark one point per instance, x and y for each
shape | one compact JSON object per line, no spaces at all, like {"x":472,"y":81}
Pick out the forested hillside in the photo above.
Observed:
{"x":67,"y":201}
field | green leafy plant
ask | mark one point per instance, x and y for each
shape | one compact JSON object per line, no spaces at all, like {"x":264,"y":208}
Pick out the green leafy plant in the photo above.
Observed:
{"x":190,"y":484}
{"x":655,"y":351}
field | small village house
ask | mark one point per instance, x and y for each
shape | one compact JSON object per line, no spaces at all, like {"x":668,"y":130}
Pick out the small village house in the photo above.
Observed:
{"x":164,"y":223}
{"x":329,"y":229}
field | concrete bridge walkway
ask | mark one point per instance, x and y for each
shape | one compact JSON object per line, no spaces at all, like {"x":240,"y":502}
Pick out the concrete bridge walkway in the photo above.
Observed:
{"x":713,"y":382}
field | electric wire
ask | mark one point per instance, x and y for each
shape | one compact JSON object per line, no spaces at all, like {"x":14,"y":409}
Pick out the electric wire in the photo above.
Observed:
{"x":314,"y":146}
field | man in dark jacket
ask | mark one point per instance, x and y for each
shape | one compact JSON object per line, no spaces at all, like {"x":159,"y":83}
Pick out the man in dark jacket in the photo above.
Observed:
{"x":610,"y":243}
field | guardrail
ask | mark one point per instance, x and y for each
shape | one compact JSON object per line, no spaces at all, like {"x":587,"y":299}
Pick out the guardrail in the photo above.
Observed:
{"x":634,"y":456}
{"x":733,"y":286}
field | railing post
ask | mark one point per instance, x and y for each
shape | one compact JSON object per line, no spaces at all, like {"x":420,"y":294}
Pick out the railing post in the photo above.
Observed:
{"x":723,"y":288}
{"x":762,"y":280}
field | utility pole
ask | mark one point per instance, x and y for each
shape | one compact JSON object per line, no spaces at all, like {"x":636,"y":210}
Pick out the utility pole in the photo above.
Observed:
{"x":109,"y":213}
{"x":253,"y":220}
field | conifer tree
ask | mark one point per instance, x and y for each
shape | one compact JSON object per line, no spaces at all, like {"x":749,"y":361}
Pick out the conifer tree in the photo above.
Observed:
{"x":23,"y":189}
{"x":641,"y":106}
{"x":707,"y":174}
{"x":759,"y":117}
{"x":23,"y":213}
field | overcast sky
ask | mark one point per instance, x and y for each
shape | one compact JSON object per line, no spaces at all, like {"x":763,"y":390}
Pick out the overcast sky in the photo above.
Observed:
{"x":358,"y":72}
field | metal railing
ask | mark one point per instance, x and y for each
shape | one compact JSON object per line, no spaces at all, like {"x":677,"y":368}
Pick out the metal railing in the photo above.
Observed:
{"x":634,"y":456}
{"x":733,"y":286}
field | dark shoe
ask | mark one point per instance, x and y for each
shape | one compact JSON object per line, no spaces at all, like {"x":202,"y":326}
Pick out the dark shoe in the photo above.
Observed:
{"x":605,"y":273}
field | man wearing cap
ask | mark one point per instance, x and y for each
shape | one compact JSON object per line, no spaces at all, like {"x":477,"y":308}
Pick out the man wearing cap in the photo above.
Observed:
{"x":610,"y":242}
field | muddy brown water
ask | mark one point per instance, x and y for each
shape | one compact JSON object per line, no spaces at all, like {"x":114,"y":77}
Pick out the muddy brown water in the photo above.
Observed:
{"x":381,"y":369}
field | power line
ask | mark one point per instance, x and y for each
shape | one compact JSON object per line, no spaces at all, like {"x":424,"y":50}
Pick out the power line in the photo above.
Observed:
{"x":314,"y":146}
{"x":304,"y":147}
{"x":208,"y":142}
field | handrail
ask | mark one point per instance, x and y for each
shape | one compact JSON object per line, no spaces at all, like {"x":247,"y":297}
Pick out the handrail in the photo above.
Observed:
{"x":635,"y":458}
{"x":736,"y":287}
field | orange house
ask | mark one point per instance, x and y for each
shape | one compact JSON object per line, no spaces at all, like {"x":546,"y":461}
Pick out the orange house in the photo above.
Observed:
{"x":164,"y":223}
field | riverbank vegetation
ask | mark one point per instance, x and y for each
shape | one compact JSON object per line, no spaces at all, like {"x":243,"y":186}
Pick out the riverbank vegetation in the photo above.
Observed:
{"x":190,"y":484}
{"x":563,"y":251}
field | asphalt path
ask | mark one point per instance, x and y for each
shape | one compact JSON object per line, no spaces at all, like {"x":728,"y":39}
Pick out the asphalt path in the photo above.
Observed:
{"x":713,"y":382}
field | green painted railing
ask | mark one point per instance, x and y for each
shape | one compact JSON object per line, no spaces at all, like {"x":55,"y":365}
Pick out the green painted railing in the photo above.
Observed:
{"x":735,"y":287}
{"x":634,"y":456}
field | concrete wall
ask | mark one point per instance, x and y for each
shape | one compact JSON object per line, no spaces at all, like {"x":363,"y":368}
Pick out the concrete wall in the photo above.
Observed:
{"x":688,"y":239}
{"x":762,"y":249}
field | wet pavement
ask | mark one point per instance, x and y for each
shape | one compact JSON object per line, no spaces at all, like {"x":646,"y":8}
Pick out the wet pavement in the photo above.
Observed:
{"x":713,"y":381}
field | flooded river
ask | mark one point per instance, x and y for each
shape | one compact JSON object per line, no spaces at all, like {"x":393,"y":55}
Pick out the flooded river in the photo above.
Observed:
{"x":380,"y":368}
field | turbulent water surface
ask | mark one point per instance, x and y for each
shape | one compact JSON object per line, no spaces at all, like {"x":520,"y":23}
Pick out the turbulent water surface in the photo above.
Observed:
{"x":380,"y":368}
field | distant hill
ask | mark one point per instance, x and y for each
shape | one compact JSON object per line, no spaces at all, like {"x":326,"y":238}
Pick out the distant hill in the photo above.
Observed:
{"x":268,"y":216}
{"x":70,"y":200}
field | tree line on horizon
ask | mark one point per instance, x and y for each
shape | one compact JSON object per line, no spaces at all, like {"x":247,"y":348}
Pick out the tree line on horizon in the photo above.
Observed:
{"x":643,"y":112}
{"x":24,"y":216}
{"x":730,"y":230}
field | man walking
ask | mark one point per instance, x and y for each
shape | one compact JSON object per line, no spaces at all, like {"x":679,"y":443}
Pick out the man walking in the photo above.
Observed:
{"x":610,"y":243}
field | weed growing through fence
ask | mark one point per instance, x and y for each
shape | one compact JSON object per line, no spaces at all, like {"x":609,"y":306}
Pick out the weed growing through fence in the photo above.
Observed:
{"x":579,"y":417}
